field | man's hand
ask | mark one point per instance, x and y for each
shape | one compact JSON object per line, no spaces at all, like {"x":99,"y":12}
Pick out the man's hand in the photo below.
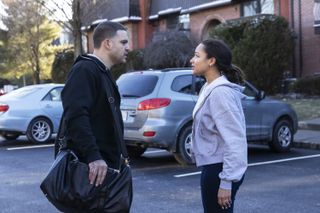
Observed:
{"x":224,"y":198}
{"x":97,"y":172}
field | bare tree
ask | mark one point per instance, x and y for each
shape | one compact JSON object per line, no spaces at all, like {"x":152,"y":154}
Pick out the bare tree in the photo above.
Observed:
{"x":169,"y":49}
{"x":68,"y":14}
{"x":80,"y":9}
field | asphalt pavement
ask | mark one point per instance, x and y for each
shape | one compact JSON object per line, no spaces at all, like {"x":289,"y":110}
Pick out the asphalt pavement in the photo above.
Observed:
{"x":274,"y":182}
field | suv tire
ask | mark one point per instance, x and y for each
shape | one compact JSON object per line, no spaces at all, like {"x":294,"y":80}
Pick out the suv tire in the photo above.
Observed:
{"x":183,"y":155}
{"x":135,"y":151}
{"x":282,"y":136}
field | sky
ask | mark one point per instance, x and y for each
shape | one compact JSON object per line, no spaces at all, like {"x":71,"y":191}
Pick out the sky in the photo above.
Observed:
{"x":2,"y":13}
{"x":65,"y":4}
{"x":62,"y":3}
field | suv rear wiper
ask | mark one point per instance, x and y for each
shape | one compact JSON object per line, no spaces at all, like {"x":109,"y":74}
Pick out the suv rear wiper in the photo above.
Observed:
{"x":130,"y":96}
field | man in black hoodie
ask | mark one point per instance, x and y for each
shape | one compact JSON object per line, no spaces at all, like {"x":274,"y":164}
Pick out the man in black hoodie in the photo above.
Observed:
{"x":90,"y":128}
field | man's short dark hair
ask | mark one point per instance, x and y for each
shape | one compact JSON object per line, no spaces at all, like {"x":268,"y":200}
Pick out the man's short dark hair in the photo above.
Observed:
{"x":106,"y":29}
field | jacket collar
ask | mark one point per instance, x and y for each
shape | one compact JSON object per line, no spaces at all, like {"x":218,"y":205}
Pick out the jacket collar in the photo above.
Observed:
{"x":206,"y":91}
{"x":101,"y":67}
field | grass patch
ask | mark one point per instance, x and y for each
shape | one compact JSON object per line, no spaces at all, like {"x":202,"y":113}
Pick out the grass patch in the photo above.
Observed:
{"x":305,"y":108}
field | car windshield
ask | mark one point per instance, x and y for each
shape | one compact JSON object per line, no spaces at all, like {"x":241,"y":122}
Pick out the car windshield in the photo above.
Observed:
{"x":135,"y":85}
{"x":24,"y":91}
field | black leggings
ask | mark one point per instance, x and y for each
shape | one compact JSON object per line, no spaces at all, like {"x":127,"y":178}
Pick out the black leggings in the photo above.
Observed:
{"x":210,"y":183}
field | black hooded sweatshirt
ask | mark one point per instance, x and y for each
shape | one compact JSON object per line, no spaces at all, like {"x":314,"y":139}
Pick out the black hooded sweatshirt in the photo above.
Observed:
{"x":90,"y":127}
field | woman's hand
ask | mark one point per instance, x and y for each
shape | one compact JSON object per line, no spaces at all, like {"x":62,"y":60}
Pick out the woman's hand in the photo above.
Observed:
{"x":224,"y":198}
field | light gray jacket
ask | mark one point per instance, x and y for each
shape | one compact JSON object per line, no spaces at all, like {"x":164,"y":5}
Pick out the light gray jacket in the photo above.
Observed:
{"x":219,"y":130}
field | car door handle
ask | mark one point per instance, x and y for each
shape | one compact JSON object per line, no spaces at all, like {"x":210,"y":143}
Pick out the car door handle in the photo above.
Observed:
{"x":48,"y":106}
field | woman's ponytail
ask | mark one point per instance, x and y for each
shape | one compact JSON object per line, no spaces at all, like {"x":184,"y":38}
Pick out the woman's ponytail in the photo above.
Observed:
{"x":234,"y":74}
{"x":221,"y":52}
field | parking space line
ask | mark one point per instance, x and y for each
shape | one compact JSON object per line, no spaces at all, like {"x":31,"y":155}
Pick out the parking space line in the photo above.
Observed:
{"x":51,"y":145}
{"x":284,"y":160}
{"x":257,"y":164}
{"x":29,"y":147}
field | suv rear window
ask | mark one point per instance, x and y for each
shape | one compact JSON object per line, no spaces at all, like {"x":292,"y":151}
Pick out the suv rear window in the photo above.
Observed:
{"x":136,"y":86}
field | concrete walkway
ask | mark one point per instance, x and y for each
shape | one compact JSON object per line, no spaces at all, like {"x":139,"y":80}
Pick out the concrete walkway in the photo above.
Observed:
{"x":308,"y":135}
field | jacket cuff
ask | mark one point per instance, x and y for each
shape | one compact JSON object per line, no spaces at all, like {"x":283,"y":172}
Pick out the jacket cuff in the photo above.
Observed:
{"x":93,"y":156}
{"x":225,"y":184}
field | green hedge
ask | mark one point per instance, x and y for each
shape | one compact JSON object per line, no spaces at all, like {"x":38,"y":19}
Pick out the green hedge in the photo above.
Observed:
{"x":262,"y":47}
{"x":134,"y":62}
{"x":3,"y":82}
{"x":308,"y":85}
{"x":61,"y":65}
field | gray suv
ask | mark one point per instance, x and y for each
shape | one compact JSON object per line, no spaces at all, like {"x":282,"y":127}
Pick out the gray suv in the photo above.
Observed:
{"x":157,"y":110}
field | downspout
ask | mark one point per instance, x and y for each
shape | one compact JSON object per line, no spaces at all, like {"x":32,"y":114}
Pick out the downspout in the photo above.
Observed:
{"x":294,"y":71}
{"x":300,"y":40}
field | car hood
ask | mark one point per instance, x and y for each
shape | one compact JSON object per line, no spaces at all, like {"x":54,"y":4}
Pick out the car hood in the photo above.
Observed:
{"x":271,"y":100}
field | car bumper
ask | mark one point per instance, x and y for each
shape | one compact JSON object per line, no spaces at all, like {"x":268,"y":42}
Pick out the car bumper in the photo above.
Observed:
{"x":165,"y":136}
{"x":13,"y":124}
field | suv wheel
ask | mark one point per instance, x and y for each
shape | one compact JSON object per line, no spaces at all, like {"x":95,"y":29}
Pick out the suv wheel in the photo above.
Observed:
{"x":39,"y":130}
{"x":183,"y":156}
{"x":135,"y":151}
{"x":282,"y":136}
{"x":10,"y":136}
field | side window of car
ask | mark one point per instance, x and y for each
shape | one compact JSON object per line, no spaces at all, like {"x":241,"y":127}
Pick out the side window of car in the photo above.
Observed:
{"x":249,"y":92}
{"x":182,"y":84}
{"x":54,"y":95}
{"x":198,"y":83}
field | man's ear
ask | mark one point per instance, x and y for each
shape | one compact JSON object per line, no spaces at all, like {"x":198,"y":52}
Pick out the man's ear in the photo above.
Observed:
{"x":107,"y":43}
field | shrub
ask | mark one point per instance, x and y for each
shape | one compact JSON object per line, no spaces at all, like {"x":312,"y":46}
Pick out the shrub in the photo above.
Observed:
{"x":134,"y":62}
{"x":169,"y":49}
{"x":261,"y":45}
{"x":4,"y":82}
{"x":308,"y":85}
{"x":61,"y":65}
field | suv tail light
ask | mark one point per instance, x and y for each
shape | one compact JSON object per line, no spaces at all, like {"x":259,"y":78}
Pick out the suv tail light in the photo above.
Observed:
{"x":154,"y":103}
{"x":4,"y":107}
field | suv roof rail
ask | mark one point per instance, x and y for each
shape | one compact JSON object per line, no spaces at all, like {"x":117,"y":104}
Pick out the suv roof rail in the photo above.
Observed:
{"x":174,"y":69}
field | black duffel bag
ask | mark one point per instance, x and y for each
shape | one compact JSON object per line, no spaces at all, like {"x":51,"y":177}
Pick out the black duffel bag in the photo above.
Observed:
{"x":68,"y":188}
{"x":67,"y":184}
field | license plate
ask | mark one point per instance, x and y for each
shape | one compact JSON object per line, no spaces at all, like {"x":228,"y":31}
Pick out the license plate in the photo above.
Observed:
{"x":124,"y":115}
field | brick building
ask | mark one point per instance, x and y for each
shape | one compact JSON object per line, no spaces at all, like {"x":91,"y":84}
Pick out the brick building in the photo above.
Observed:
{"x":145,"y":18}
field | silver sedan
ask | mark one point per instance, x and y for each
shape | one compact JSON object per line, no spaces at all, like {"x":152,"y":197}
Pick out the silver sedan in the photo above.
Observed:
{"x":34,"y":111}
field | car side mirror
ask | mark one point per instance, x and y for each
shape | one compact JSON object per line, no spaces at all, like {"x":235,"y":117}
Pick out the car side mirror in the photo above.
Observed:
{"x":261,"y":95}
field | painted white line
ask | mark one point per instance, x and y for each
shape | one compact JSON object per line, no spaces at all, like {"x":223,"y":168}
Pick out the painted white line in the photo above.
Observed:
{"x":157,"y":151}
{"x":258,"y":164}
{"x":30,"y":147}
{"x":187,"y":174}
{"x":284,"y":160}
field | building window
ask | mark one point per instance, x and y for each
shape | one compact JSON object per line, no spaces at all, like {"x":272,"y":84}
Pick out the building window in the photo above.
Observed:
{"x":172,"y":21}
{"x":184,"y":21}
{"x":255,"y":7}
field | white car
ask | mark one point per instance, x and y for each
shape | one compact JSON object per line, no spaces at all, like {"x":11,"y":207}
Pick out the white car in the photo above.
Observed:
{"x":34,"y":111}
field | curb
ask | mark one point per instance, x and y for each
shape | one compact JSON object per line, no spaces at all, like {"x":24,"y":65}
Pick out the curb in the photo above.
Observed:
{"x":308,"y":126}
{"x":306,"y":145}
{"x":295,"y":144}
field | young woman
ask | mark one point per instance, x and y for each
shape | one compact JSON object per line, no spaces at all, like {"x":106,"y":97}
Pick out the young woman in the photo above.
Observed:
{"x":219,"y":143}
